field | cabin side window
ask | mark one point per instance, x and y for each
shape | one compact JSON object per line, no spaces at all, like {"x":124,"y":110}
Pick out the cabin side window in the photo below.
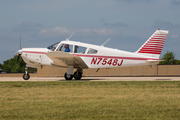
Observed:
{"x":79,"y":49}
{"x":65,"y":48}
{"x":92,"y":51}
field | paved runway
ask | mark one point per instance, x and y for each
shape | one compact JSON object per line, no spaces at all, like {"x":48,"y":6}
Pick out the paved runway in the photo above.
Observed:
{"x":94,"y":79}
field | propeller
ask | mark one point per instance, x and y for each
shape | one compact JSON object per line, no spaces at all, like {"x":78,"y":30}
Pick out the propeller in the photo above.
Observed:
{"x":19,"y":52}
{"x":18,"y":57}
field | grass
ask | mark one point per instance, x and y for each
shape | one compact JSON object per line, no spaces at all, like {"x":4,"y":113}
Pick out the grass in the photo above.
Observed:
{"x":90,"y":100}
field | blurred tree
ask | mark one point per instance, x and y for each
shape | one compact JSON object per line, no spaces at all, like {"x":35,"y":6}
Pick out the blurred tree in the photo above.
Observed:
{"x":0,"y":65}
{"x":169,"y":58}
{"x":12,"y":66}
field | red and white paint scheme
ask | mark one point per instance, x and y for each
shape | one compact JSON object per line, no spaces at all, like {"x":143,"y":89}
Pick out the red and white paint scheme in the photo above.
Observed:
{"x":83,"y":56}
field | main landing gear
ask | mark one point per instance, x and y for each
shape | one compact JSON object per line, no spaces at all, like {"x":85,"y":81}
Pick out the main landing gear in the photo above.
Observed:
{"x":26,"y":75}
{"x":68,"y":76}
{"x":77,"y":75}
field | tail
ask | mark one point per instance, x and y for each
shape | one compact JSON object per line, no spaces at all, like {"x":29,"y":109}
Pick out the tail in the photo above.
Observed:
{"x":154,"y":45}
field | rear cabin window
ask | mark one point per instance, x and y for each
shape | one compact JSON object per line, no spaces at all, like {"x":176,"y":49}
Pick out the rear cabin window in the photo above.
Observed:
{"x":92,"y":51}
{"x":79,"y":49}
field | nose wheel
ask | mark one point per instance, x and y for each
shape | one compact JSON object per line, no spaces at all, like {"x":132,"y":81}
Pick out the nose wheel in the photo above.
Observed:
{"x":26,"y":75}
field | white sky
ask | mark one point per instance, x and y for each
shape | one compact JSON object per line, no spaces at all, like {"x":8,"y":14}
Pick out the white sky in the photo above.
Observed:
{"x":129,"y":23}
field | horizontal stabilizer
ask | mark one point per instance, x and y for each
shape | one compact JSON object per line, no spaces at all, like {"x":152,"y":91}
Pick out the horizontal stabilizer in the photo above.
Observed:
{"x":152,"y":62}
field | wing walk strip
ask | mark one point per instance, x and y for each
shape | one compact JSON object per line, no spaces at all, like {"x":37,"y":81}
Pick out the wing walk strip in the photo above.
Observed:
{"x":115,"y":57}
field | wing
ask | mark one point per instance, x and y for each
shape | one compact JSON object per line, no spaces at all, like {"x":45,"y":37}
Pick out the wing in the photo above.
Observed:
{"x":63,"y":59}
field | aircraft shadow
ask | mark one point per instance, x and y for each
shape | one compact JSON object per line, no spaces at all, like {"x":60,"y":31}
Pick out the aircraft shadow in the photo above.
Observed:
{"x":81,"y":80}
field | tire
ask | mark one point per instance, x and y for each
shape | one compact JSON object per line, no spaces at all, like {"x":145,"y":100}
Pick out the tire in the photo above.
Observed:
{"x":77,"y":75}
{"x":68,"y":77}
{"x":26,"y":76}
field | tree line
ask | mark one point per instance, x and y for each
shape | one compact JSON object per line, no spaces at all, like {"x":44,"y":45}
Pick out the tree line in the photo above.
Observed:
{"x":12,"y":66}
{"x":169,"y":58}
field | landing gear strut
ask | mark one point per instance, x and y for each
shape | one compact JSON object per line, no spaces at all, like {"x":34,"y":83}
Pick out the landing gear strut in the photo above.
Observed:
{"x":69,"y":74}
{"x":26,"y":75}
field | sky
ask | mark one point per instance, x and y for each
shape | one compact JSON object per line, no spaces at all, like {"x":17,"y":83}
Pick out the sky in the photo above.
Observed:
{"x":129,"y":23}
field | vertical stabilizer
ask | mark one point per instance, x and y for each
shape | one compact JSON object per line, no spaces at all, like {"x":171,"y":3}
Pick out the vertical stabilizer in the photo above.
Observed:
{"x":154,"y":45}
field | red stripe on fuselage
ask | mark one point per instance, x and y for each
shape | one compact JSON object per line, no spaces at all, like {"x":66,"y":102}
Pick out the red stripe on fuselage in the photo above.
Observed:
{"x":115,"y":57}
{"x":34,"y":52}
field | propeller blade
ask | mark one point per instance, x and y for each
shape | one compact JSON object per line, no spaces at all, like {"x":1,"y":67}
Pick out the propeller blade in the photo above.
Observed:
{"x":18,"y":57}
{"x":19,"y":52}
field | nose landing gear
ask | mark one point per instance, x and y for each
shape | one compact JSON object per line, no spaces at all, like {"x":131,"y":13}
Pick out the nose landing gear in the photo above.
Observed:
{"x":26,"y":75}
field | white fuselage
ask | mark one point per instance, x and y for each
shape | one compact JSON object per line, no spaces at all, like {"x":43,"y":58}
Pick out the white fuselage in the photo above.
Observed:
{"x":104,"y":58}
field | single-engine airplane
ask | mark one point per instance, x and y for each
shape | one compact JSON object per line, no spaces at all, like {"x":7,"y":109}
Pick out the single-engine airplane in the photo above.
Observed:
{"x":78,"y":55}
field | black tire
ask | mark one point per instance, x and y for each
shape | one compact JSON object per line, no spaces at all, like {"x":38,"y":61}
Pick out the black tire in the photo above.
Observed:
{"x":26,"y":76}
{"x":77,"y":75}
{"x":68,"y":78}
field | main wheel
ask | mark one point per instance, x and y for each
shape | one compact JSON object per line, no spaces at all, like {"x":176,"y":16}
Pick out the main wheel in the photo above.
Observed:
{"x":68,"y":77}
{"x":26,"y":76}
{"x":77,"y":75}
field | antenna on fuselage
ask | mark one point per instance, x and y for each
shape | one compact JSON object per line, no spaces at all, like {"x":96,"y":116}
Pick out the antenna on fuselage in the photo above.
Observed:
{"x":106,"y":42}
{"x":70,"y":36}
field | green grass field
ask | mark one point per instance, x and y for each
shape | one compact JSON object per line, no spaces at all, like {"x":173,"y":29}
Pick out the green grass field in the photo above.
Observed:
{"x":90,"y":100}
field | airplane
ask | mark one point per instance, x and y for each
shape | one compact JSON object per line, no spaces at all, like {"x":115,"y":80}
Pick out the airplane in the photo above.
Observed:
{"x":77,"y":55}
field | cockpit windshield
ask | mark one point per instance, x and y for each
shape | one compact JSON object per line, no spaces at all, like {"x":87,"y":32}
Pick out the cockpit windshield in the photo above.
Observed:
{"x":53,"y":47}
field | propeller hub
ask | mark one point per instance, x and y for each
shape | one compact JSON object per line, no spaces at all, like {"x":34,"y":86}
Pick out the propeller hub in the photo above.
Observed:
{"x":19,"y":52}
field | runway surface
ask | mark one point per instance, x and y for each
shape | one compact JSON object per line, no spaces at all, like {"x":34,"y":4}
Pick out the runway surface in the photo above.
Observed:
{"x":93,"y":79}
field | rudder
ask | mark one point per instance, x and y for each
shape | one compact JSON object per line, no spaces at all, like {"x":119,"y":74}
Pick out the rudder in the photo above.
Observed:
{"x":154,"y":45}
